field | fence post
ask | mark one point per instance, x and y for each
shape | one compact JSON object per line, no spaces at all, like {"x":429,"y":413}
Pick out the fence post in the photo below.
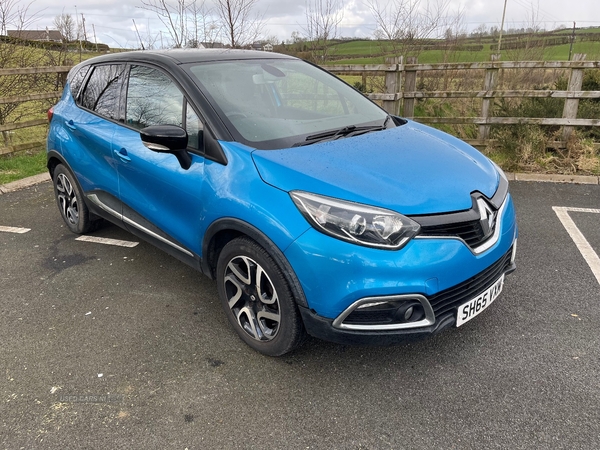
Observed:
{"x":393,"y":85}
{"x":489,"y":84}
{"x":410,"y":85}
{"x":572,"y":104}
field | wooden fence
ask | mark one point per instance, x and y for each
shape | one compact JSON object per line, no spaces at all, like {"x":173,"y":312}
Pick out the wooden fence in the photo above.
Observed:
{"x":401,"y":92}
{"x":61,"y":73}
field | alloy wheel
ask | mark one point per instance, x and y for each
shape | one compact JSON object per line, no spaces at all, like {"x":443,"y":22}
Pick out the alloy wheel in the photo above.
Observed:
{"x":252,"y":298}
{"x":67,"y":199}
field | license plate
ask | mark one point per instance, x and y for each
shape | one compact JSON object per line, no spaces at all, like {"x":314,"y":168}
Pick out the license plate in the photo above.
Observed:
{"x":473,"y":307}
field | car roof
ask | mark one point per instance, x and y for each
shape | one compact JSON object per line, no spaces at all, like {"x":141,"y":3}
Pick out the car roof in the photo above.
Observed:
{"x":188,"y":55}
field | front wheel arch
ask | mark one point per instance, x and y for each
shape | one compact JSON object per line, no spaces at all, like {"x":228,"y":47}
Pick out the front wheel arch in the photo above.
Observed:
{"x":222,"y":231}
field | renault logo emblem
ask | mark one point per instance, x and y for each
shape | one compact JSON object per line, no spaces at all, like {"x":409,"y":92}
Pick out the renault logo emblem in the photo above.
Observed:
{"x":487,"y":217}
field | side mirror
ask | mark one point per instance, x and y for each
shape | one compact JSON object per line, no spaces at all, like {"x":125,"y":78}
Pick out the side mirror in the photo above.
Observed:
{"x":168,"y":139}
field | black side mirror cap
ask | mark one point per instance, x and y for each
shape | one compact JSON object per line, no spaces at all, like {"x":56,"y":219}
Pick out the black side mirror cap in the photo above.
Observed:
{"x":168,"y":139}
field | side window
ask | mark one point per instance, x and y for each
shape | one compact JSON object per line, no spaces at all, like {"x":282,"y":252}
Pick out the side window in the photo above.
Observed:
{"x":75,"y":79}
{"x":193,"y":126}
{"x":103,"y":90}
{"x":154,"y":99}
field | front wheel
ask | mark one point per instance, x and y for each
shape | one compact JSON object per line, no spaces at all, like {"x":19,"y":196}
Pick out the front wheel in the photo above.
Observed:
{"x":257,"y":298}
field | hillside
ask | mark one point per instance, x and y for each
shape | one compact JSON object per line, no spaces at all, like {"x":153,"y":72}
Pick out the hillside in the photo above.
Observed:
{"x":553,"y":45}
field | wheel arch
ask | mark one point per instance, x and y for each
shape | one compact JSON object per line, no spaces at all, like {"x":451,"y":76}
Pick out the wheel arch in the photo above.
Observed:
{"x":220,"y":232}
{"x":54,"y":159}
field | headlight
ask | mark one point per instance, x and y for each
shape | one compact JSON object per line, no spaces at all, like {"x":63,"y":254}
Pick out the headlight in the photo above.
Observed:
{"x":354,"y":222}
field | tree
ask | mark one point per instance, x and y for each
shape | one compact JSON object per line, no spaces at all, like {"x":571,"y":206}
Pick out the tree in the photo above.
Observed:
{"x":67,"y":27}
{"x":203,"y":28}
{"x":173,"y":16}
{"x":19,"y":54}
{"x":15,"y":16}
{"x":322,"y":20}
{"x":240,"y":25}
{"x":405,"y":24}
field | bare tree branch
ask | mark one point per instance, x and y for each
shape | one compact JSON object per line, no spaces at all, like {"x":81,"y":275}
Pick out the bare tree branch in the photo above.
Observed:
{"x":203,"y":27}
{"x":240,"y":25}
{"x":173,"y":16}
{"x":67,"y":27}
{"x":15,"y":16}
{"x":407,"y":23}
{"x":322,"y":20}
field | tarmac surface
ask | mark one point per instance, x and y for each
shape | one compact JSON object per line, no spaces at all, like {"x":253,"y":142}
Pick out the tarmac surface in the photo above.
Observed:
{"x":104,"y":346}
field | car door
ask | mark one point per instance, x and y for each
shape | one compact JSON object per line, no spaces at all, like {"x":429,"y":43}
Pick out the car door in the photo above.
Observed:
{"x":91,"y":127}
{"x":160,"y":198}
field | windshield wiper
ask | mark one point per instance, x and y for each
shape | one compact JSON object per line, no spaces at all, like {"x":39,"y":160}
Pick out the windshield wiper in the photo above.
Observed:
{"x":351,"y":130}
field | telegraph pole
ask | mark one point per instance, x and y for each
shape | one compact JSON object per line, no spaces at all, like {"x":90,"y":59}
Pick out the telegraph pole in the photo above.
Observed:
{"x":138,"y":34}
{"x":95,"y":39}
{"x":83,"y":25}
{"x":502,"y":26}
{"x":78,"y":34}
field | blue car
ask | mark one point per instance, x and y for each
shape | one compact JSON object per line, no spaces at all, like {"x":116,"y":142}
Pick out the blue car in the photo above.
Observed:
{"x":315,"y":211}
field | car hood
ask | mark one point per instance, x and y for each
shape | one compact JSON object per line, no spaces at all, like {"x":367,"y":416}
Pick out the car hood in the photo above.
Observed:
{"x":411,"y":169}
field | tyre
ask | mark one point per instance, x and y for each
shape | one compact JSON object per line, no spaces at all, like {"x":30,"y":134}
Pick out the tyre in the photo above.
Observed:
{"x":70,"y":202}
{"x":257,"y":298}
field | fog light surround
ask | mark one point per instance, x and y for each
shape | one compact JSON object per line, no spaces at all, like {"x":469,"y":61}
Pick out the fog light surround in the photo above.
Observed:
{"x":395,"y":312}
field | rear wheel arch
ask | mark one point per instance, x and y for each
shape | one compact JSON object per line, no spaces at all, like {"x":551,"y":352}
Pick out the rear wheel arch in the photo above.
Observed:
{"x":54,"y":159}
{"x":222,"y":231}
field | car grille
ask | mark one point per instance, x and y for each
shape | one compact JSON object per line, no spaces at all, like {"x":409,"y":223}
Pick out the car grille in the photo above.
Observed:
{"x":455,"y":296}
{"x":471,"y":232}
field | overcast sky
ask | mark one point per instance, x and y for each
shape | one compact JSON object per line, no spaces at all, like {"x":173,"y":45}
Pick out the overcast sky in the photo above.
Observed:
{"x":112,"y":19}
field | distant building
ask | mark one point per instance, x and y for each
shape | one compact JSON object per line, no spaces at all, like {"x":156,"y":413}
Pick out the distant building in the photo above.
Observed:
{"x":264,"y":46}
{"x":212,"y":45}
{"x":37,"y":35}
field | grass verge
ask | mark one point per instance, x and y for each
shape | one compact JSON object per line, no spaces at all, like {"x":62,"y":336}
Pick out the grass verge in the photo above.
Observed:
{"x":26,"y":164}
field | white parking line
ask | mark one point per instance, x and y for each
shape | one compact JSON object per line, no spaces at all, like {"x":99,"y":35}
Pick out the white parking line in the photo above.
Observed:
{"x":588,"y":253}
{"x":14,"y":230}
{"x":107,"y":241}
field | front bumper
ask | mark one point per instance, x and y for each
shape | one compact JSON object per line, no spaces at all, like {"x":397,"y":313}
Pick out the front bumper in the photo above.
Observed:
{"x":444,"y":305}
{"x":335,"y":274}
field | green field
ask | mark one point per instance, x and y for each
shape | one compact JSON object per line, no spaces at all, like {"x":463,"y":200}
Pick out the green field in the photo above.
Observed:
{"x":552,"y":53}
{"x":469,"y":50}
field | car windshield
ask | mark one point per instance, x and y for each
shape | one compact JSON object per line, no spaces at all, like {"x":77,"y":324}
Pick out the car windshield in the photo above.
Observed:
{"x":278,"y":103}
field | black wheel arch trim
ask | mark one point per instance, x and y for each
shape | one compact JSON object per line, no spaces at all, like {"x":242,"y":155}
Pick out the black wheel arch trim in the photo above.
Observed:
{"x":53,"y":154}
{"x":61,"y":160}
{"x":239,"y":227}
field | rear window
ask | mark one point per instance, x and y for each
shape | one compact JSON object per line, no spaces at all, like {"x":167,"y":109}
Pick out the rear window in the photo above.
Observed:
{"x":75,"y":79}
{"x":103,"y":90}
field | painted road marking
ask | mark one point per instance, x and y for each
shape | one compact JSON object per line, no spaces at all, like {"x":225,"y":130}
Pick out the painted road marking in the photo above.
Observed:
{"x":107,"y":241}
{"x":14,"y":230}
{"x":588,"y":253}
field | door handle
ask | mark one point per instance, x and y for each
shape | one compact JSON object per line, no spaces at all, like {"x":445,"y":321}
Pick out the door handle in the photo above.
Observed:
{"x":122,"y":154}
{"x":70,"y":124}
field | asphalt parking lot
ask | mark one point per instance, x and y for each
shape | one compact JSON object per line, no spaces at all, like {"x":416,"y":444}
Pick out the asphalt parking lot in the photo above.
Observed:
{"x":104,"y":346}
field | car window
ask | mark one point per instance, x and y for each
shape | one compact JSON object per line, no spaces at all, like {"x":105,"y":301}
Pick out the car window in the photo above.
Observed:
{"x":75,"y":79}
{"x":303,"y":92}
{"x":277,"y":103}
{"x":103,"y":89}
{"x":153,"y":99}
{"x":193,"y":126}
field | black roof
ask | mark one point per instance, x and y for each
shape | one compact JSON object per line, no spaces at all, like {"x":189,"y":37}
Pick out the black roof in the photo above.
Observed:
{"x":191,"y":55}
